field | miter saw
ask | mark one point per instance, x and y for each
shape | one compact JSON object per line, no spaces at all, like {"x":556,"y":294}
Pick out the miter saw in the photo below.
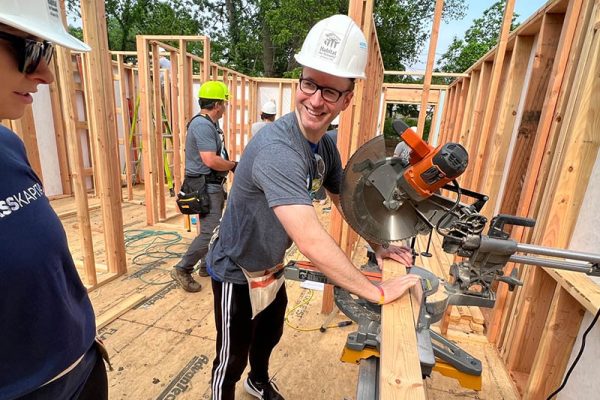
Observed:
{"x":392,"y":191}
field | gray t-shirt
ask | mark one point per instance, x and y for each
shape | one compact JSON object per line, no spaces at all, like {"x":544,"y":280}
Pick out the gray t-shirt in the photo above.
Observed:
{"x":202,"y":135}
{"x":277,"y":168}
{"x":257,"y":126}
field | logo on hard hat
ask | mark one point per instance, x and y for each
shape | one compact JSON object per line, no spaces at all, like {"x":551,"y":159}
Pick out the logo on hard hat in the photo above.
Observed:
{"x":328,"y":49}
{"x":53,"y":8}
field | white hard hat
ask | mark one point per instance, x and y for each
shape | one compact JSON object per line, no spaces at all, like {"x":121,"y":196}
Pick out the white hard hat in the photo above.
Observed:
{"x":269,"y":108}
{"x":40,"y":18}
{"x":336,"y":46}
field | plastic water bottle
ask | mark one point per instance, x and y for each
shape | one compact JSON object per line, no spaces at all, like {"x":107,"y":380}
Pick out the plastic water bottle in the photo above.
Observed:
{"x":194,"y":219}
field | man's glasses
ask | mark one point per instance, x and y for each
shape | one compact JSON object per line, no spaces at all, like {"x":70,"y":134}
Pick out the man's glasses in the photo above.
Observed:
{"x":328,"y":94}
{"x":29,"y":52}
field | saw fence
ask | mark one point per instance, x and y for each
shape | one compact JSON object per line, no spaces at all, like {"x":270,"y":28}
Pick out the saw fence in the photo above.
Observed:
{"x":528,"y":113}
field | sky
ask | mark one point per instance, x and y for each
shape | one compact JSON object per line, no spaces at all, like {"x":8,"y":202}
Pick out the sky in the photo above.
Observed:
{"x":524,"y":8}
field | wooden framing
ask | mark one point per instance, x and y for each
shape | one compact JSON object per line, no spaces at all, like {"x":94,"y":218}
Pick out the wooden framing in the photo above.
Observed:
{"x":60,"y":134}
{"x":25,"y":128}
{"x":490,"y":101}
{"x":125,"y":124}
{"x":535,"y":157}
{"x":411,"y":93}
{"x":435,"y":29}
{"x":500,"y":138}
{"x":104,"y":132}
{"x":67,"y":95}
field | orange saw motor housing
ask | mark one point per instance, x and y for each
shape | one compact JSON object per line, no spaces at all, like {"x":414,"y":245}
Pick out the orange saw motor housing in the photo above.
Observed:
{"x":429,"y":168}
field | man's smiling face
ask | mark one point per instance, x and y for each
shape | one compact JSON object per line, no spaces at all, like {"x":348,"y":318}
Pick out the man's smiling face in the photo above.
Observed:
{"x":314,"y":113}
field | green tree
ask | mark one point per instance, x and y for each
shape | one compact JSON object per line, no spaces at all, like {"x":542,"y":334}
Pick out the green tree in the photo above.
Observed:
{"x":479,"y":39}
{"x":404,"y":26}
{"x":262,"y":36}
{"x":128,"y":18}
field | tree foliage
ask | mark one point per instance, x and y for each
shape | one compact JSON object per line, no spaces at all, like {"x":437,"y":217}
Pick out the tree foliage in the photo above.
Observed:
{"x":479,"y":39}
{"x":404,"y":26}
{"x":128,"y":18}
{"x":260,"y":37}
{"x":281,"y":25}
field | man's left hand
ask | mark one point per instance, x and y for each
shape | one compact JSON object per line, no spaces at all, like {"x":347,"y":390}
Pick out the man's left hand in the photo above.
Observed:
{"x":402,"y":254}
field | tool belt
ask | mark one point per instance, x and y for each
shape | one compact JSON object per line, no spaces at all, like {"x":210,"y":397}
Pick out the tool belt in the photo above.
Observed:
{"x":263,"y":287}
{"x":215,"y":179}
{"x":212,"y":178}
{"x":193,"y":197}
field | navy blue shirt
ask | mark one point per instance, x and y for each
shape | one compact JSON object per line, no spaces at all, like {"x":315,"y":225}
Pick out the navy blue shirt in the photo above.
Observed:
{"x":46,"y":318}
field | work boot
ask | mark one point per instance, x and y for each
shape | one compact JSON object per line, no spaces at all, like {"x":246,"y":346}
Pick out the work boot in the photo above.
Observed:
{"x":185,"y":280}
{"x":202,"y":271}
{"x":265,"y":391}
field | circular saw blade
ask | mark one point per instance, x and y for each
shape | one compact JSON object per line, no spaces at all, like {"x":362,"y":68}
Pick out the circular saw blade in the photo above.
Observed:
{"x":363,"y":203}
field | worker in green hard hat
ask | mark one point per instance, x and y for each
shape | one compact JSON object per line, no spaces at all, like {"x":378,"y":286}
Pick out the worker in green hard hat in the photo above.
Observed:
{"x":206,"y":167}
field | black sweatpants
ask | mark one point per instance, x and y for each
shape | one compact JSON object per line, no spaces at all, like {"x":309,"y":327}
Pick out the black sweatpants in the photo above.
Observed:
{"x":239,"y":337}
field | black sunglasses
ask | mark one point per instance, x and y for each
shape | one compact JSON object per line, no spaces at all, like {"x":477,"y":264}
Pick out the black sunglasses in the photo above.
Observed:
{"x":29,"y":52}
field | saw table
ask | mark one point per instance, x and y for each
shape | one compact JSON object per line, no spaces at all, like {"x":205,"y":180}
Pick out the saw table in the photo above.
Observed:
{"x":362,"y":347}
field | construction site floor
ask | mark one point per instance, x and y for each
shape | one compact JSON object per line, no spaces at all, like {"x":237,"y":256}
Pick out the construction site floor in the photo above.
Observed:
{"x":162,"y":340}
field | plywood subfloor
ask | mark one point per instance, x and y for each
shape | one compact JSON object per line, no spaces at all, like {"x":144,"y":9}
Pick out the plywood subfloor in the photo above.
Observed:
{"x":164,"y":347}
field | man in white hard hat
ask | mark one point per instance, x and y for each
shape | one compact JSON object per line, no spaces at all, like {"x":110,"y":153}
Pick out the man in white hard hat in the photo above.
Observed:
{"x":267,"y":115}
{"x":270,"y":206}
{"x":402,"y":150}
{"x":47,"y":350}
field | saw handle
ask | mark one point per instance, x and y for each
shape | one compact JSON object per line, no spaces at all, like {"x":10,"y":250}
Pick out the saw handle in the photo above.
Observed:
{"x":420,"y":148}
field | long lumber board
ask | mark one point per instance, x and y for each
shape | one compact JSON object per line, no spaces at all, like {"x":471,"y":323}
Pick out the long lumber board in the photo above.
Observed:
{"x":119,"y":309}
{"x":400,"y":369}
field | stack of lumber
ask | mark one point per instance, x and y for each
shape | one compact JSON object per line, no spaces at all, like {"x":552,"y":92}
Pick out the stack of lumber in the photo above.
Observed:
{"x":468,"y":319}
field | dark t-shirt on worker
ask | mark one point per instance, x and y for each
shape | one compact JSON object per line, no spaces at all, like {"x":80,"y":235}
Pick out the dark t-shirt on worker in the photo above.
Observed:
{"x":278,"y":167}
{"x":203,"y":135}
{"x":46,"y":317}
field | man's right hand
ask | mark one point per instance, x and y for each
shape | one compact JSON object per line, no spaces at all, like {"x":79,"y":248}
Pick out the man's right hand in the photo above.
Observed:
{"x":396,"y":287}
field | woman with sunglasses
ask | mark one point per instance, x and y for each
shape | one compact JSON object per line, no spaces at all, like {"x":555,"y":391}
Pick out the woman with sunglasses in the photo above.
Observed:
{"x":47,"y":328}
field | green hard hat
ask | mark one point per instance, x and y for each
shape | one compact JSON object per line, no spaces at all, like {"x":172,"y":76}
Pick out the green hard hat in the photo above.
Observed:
{"x":215,"y":90}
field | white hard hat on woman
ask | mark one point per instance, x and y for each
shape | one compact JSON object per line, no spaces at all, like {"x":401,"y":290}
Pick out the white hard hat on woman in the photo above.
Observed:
{"x":49,"y":352}
{"x":40,"y":18}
